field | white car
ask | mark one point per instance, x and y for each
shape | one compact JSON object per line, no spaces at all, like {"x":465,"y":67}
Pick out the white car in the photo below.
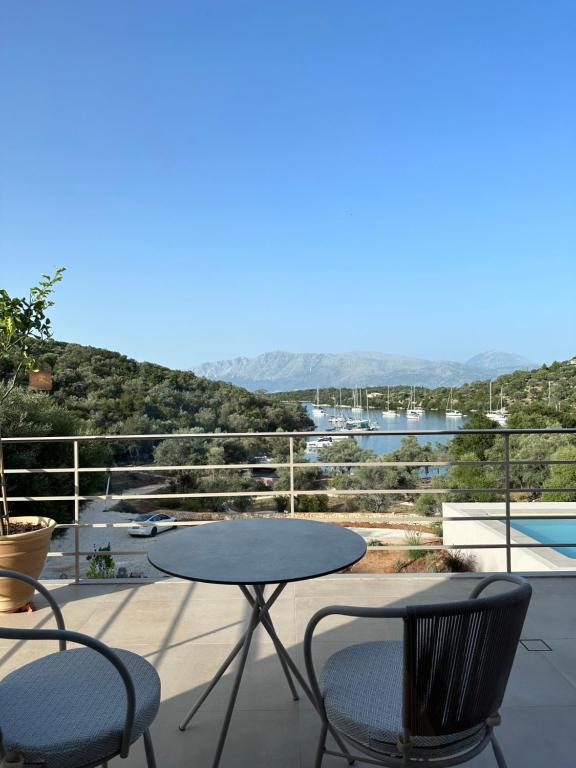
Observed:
{"x":146,"y":524}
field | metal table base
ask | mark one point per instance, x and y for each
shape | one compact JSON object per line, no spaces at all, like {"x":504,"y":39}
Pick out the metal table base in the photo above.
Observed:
{"x":260,"y":614}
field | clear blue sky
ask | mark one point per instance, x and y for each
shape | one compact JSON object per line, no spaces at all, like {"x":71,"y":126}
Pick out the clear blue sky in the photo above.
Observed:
{"x":224,"y":177}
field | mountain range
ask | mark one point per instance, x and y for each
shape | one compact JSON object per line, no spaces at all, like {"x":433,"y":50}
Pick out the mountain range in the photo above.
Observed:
{"x":283,"y":371}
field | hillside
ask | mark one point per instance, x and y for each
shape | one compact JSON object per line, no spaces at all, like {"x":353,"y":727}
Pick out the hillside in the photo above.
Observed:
{"x":282,"y":371}
{"x":521,"y":390}
{"x":112,"y":393}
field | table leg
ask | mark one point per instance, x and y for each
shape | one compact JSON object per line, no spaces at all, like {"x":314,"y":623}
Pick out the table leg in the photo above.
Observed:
{"x":260,"y":615}
{"x":229,"y":659}
{"x":266,"y":621}
{"x":283,"y":654}
{"x":254,"y":620}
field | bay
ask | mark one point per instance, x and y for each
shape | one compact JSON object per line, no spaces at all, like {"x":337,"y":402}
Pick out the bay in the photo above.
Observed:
{"x":382,"y":444}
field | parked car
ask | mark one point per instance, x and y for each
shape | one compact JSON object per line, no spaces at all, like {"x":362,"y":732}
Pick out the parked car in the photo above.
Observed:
{"x":147,"y":524}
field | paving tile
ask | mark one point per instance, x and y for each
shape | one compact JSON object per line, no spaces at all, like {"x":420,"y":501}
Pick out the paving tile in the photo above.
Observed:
{"x":263,"y":738}
{"x":186,"y":630}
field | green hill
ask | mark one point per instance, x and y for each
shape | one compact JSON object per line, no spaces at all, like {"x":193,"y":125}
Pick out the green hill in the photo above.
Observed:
{"x":96,"y":391}
{"x":112,"y":393}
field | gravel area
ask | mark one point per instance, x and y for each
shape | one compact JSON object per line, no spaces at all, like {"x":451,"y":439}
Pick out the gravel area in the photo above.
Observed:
{"x":90,"y":538}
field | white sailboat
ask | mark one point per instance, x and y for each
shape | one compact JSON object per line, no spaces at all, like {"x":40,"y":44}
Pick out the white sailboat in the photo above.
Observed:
{"x":418,"y":408}
{"x":316,"y":408}
{"x":338,"y":418}
{"x":357,"y":397}
{"x":500,"y":415}
{"x":372,"y":425}
{"x":451,"y":412}
{"x":389,"y":413}
{"x":413,"y":413}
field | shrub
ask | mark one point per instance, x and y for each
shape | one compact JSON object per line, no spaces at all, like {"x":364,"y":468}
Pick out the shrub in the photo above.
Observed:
{"x":102,"y":566}
{"x":414,"y":538}
{"x":437,"y":529}
{"x":125,"y":507}
{"x":282,"y":503}
{"x":313,"y":503}
{"x":428,"y":505}
{"x":456,"y":561}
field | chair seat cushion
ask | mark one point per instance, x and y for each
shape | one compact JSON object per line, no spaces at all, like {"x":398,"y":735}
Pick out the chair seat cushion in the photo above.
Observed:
{"x":67,"y":709}
{"x":362,"y":690}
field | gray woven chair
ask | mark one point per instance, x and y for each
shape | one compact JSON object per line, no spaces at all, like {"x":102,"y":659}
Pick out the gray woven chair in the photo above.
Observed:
{"x":432,"y":698}
{"x":75,"y":708}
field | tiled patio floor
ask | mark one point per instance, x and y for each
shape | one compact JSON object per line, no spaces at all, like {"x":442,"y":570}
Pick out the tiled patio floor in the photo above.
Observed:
{"x":186,"y":630}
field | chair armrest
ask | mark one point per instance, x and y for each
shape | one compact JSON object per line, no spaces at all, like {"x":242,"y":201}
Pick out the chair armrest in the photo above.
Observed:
{"x":510,"y":577}
{"x":64,"y":635}
{"x":44,"y":592}
{"x":339,"y":610}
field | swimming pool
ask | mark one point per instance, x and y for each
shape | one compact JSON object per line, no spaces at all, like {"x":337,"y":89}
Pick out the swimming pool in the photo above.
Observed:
{"x":548,"y":531}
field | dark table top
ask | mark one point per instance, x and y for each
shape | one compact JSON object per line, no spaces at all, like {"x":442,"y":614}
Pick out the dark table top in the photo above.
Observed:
{"x":267,"y":551}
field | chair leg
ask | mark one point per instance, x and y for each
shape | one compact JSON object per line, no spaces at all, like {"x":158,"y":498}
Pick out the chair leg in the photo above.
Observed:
{"x":321,"y":746}
{"x":149,"y":749}
{"x":498,"y":754}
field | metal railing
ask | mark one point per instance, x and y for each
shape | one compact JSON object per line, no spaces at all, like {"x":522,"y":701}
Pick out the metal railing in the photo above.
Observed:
{"x":293,"y":492}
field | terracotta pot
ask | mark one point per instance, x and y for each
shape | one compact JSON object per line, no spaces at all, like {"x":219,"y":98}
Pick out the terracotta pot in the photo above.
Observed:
{"x":26,"y":553}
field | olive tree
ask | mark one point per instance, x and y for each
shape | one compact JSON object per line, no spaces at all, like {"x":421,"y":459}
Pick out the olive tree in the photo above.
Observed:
{"x":23,"y":322}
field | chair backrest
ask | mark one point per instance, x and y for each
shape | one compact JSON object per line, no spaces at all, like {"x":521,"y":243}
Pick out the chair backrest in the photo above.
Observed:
{"x":457,"y":660}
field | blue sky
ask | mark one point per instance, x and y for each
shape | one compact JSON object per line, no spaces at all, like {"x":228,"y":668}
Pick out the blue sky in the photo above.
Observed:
{"x":227,"y":177}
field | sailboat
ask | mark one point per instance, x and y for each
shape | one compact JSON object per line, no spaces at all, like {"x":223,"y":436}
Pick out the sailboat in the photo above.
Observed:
{"x":451,"y":412}
{"x":316,"y":409}
{"x":413,"y":413}
{"x":418,"y":408}
{"x":372,"y":425}
{"x":388,"y":413}
{"x":498,"y":416}
{"x":338,"y":418}
{"x":357,"y":406}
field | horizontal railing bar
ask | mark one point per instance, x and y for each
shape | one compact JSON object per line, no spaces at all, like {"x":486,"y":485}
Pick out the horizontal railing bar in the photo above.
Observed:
{"x":502,"y":518}
{"x":279,"y":435}
{"x":278,"y":492}
{"x":96,"y":553}
{"x":41,"y":470}
{"x":234,"y":494}
{"x":154,"y":469}
{"x":387,"y":547}
{"x":429,"y":521}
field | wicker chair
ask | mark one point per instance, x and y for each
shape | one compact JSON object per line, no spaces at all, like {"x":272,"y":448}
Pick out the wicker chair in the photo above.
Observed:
{"x":432,"y":698}
{"x":75,"y":708}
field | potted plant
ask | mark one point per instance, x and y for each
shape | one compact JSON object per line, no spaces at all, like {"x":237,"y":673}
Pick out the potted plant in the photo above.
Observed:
{"x":24,"y":540}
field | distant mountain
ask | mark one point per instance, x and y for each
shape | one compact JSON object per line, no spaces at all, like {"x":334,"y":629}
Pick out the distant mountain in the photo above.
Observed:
{"x":283,"y":371}
{"x":501,"y":362}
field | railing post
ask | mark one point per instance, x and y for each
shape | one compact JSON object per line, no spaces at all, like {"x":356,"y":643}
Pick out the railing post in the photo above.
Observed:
{"x":507,"y":500}
{"x":291,"y":476}
{"x":76,"y":512}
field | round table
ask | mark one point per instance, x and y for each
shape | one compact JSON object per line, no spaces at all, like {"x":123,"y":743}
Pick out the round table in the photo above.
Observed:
{"x":253,"y":554}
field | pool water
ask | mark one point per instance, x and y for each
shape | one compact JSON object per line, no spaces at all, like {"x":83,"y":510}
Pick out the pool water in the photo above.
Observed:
{"x":550,"y":531}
